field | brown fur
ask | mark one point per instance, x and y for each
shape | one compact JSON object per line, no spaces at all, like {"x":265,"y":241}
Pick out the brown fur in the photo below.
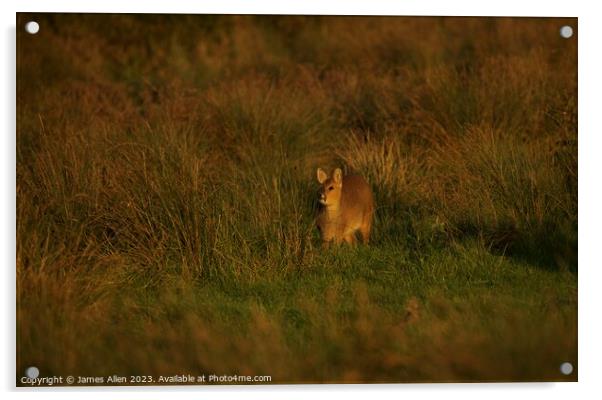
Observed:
{"x":347,"y":207}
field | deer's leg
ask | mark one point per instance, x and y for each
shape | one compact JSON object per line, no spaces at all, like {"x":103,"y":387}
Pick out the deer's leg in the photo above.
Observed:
{"x":350,"y":238}
{"x":366,"y":227}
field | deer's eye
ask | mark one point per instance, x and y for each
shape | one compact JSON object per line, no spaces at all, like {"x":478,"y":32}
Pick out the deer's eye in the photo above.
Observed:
{"x":331,"y":188}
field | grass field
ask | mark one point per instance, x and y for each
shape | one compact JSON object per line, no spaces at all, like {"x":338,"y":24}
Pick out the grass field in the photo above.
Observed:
{"x":166,"y":192}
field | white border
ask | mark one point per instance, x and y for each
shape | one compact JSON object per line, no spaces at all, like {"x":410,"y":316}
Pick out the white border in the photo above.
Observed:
{"x":590,"y":133}
{"x":552,"y":8}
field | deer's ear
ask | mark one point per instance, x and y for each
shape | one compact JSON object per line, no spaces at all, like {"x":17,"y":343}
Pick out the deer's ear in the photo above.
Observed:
{"x":337,"y":175}
{"x":322,"y":176}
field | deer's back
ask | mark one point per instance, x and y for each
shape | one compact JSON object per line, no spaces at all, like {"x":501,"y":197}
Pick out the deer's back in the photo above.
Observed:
{"x":356,"y":196}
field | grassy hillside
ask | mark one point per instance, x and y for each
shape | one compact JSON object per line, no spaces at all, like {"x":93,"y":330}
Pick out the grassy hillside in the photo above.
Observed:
{"x":166,"y":191}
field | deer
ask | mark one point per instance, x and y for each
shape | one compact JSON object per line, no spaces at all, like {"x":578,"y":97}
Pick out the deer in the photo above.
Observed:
{"x":346,"y":208}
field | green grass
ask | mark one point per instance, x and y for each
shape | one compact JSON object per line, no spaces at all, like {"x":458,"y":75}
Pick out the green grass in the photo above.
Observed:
{"x":166,"y":193}
{"x":362,"y":315}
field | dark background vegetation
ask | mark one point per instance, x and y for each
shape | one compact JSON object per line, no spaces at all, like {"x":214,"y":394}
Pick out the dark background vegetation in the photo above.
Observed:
{"x":166,"y":190}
